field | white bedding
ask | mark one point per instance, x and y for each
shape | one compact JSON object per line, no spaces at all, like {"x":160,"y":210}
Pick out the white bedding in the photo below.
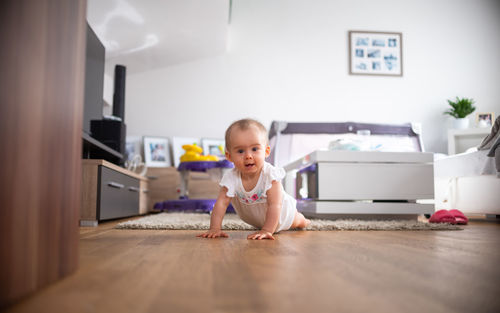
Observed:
{"x":294,"y":146}
{"x":465,"y":164}
{"x":467,"y":182}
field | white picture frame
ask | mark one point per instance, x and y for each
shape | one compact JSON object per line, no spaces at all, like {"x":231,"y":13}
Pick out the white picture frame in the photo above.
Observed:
{"x":211,"y":146}
{"x":375,"y":53}
{"x":133,"y":147}
{"x":156,"y":152}
{"x":177,"y":143}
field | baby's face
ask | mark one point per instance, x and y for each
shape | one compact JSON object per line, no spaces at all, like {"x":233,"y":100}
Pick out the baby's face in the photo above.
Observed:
{"x":248,"y":150}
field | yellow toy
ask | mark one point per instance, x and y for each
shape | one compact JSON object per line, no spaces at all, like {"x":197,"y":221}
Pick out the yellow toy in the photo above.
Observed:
{"x":193,"y":154}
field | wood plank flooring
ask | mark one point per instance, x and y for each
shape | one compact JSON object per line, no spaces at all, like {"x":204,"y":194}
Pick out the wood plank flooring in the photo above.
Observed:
{"x":336,"y":271}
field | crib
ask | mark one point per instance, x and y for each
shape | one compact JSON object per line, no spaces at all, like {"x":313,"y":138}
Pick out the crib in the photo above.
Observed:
{"x":389,"y":177}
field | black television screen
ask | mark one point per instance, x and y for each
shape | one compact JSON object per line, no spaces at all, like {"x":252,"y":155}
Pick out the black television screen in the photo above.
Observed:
{"x":94,"y":80}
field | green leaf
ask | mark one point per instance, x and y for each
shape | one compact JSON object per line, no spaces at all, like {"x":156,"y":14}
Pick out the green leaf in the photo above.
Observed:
{"x":461,"y":107}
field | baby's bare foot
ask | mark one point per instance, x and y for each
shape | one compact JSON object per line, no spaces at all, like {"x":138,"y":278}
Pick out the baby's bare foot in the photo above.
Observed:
{"x":304,"y":223}
{"x":300,"y":222}
{"x":308,"y":222}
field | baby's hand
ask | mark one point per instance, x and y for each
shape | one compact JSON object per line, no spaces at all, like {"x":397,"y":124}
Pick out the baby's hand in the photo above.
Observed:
{"x":213,"y":233}
{"x":261,"y":234}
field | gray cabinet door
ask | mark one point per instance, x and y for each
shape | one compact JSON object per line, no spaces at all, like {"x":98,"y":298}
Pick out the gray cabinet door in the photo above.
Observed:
{"x":119,"y":195}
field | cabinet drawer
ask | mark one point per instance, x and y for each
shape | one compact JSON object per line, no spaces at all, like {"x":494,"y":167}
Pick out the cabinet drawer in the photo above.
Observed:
{"x":366,"y":181}
{"x":118,"y":195}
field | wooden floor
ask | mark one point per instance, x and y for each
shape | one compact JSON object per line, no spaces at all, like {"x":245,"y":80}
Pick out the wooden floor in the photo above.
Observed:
{"x":301,"y":271}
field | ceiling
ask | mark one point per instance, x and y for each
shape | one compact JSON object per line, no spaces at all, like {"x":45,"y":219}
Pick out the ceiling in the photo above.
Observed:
{"x":150,"y":34}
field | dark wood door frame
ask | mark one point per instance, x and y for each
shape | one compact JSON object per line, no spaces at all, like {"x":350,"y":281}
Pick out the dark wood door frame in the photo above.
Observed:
{"x":41,"y":97}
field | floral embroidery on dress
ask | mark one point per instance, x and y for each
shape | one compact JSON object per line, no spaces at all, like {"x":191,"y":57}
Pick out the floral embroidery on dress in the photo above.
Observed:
{"x":251,"y":199}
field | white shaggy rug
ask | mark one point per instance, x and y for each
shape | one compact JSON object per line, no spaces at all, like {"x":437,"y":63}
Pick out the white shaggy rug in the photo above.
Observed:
{"x":200,"y":221}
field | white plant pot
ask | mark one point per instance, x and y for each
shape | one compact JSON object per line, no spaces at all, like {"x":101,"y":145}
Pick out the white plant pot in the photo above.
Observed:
{"x":461,"y":123}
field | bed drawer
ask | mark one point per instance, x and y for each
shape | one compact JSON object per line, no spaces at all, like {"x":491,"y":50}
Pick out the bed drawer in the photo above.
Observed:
{"x":367,"y":181}
{"x":118,"y":195}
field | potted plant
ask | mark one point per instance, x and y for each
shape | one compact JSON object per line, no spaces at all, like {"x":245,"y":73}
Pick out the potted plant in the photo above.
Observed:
{"x":460,"y":109}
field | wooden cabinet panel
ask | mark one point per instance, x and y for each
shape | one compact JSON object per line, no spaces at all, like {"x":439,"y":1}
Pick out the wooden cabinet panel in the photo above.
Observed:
{"x":164,"y":184}
{"x":110,"y":191}
{"x":144,"y":197}
{"x":118,"y":196}
{"x":41,"y":98}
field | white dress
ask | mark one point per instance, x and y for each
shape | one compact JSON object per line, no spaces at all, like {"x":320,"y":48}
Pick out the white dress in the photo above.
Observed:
{"x":251,"y":206}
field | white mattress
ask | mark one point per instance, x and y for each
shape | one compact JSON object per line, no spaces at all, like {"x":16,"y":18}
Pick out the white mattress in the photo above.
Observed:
{"x":465,"y":164}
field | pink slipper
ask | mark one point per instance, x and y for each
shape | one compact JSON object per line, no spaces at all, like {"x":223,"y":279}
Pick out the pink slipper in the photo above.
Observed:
{"x":442,"y":216}
{"x":459,"y":217}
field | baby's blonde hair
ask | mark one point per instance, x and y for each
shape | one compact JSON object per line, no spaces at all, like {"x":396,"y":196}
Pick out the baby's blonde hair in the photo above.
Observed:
{"x":244,"y":124}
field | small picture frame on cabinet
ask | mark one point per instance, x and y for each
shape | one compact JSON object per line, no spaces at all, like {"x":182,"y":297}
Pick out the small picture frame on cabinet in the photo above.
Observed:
{"x":156,"y":152}
{"x":178,"y":151}
{"x":214,"y":147}
{"x":485,"y":119}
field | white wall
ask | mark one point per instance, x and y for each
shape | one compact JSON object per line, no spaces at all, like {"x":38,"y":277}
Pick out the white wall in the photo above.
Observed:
{"x":288,"y":60}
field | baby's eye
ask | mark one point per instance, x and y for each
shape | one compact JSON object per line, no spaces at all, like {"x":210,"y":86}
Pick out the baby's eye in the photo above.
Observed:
{"x":255,"y":149}
{"x":240,"y":151}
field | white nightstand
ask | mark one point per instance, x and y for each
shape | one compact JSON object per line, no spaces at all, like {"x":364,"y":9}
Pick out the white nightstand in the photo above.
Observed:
{"x":459,"y":140}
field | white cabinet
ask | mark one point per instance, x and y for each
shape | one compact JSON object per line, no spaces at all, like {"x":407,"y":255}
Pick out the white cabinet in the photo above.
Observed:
{"x":459,"y":140}
{"x":336,"y":184}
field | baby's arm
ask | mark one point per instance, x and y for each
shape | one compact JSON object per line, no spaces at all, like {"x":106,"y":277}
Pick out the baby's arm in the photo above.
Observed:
{"x":217,"y":215}
{"x":274,"y":202}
